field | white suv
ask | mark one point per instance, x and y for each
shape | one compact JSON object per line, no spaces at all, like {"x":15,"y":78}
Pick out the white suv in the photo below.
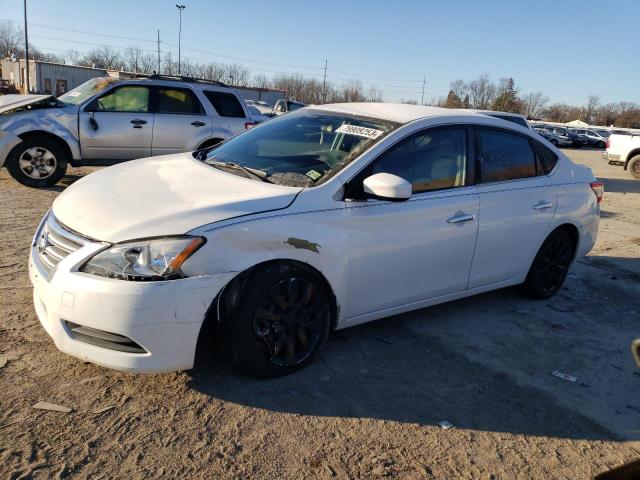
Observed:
{"x":106,"y":121}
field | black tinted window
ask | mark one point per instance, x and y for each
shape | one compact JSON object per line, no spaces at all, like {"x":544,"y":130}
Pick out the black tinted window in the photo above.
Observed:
{"x":430,"y":160}
{"x":504,"y":156}
{"x":226,"y":104}
{"x":177,"y":100}
{"x":547,"y":158}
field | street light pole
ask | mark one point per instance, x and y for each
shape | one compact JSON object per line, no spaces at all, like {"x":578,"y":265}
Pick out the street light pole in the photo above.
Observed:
{"x":180,"y":8}
{"x":26,"y":47}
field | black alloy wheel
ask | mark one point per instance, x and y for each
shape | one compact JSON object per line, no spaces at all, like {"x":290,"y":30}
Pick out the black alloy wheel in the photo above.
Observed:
{"x":550,"y":266}
{"x":289,"y":319}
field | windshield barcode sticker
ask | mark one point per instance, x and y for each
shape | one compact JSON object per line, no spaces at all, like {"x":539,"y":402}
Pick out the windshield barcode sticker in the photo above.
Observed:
{"x":360,"y":131}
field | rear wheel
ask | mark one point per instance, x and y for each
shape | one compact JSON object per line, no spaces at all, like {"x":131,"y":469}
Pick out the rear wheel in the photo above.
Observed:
{"x":634,"y":167}
{"x":550,"y":266}
{"x":37,"y":162}
{"x":281,"y":322}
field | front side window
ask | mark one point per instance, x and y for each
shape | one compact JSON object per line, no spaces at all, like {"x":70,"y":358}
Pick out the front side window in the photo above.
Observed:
{"x":301,"y":149}
{"x":128,"y":98}
{"x":226,"y":104}
{"x":504,"y":156}
{"x":177,"y":100}
{"x":430,"y":160}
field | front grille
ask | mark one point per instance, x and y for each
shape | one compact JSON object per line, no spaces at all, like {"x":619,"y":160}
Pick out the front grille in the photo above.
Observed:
{"x":55,"y":242}
{"x":103,"y":339}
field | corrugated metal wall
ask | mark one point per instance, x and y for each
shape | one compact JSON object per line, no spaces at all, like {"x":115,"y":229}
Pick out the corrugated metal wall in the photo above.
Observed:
{"x":57,"y":74}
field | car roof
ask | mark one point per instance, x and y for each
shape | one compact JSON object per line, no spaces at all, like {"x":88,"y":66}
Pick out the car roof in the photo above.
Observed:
{"x":394,"y":112}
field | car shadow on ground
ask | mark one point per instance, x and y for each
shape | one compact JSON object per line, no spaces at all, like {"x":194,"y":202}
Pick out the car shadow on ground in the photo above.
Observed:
{"x":384,"y":370}
{"x":620,"y":185}
{"x":66,"y":181}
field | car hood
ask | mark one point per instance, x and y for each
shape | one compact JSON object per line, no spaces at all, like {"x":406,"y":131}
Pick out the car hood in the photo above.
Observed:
{"x":166,"y":195}
{"x":10,"y":102}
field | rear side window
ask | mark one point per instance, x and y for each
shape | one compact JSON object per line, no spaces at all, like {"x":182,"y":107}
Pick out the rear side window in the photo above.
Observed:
{"x":547,"y":158}
{"x":177,"y":100}
{"x":504,"y":156}
{"x":226,"y":104}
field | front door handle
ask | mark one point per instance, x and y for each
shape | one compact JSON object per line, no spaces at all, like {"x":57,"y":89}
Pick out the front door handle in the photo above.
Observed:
{"x":138,"y":121}
{"x":542,"y":205}
{"x":461,"y":218}
{"x":198,"y":123}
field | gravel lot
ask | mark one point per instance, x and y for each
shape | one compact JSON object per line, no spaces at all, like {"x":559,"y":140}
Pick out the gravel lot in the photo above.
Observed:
{"x":370,"y":407}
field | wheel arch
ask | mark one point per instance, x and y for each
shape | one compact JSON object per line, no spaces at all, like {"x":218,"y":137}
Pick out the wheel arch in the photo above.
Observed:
{"x":632,"y":154}
{"x":227,"y":298}
{"x":573,"y":232}
{"x":51,"y":136}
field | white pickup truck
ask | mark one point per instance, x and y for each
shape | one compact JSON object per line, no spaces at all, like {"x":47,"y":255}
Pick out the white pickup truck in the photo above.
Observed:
{"x":624,"y":150}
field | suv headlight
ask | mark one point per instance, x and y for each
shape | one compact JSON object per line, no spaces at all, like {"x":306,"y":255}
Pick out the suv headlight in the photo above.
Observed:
{"x":154,"y":259}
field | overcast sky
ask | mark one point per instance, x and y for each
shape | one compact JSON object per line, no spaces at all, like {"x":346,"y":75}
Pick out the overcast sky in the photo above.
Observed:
{"x":567,"y":49}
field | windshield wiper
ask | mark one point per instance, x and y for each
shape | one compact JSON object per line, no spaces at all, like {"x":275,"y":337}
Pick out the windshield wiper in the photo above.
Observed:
{"x":251,"y":172}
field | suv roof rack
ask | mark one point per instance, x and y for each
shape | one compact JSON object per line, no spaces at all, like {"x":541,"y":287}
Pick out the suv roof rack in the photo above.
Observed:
{"x":177,"y":78}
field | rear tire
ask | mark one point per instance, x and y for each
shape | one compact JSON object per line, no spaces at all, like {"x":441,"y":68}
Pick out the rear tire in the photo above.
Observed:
{"x":280,"y":323}
{"x":550,"y":266}
{"x":37,"y":162}
{"x":634,"y":167}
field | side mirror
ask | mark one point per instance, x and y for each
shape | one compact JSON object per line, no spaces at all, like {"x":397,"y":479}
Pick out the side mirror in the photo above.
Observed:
{"x":386,"y":186}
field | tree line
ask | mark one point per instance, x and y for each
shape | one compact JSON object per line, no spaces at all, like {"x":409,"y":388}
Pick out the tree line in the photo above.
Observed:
{"x":505,"y":96}
{"x":481,"y":93}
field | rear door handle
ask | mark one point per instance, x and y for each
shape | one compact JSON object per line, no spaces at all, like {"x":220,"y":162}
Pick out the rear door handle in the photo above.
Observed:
{"x":138,"y":121}
{"x":198,"y":123}
{"x":542,"y":205}
{"x":461,"y":218}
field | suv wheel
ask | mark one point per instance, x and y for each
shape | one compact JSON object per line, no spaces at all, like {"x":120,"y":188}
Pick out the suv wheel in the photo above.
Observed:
{"x":37,"y":162}
{"x":281,"y":323}
{"x":634,"y":167}
{"x":550,"y":266}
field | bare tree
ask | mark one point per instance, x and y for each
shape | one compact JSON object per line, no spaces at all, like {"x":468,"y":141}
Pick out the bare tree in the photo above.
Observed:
{"x":459,"y":89}
{"x":11,"y":40}
{"x":592,"y":103}
{"x":374,"y":94}
{"x":533,"y":104}
{"x":104,"y":55}
{"x":482,"y":92}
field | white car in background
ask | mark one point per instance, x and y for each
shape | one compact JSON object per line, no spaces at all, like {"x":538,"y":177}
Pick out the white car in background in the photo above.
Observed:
{"x":624,"y":150}
{"x":320,"y":219}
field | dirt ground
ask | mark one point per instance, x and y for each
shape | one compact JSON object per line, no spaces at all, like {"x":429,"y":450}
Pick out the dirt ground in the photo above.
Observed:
{"x":371,"y":406}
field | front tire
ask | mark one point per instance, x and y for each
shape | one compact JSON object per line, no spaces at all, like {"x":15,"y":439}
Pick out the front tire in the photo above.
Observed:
{"x":634,"y":167}
{"x":281,"y":321}
{"x":550,"y":266}
{"x":37,"y":162}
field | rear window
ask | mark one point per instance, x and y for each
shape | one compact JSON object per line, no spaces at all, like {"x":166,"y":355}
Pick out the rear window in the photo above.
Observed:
{"x":226,"y":104}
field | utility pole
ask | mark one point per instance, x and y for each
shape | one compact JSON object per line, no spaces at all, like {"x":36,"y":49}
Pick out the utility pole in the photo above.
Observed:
{"x":424,"y":80}
{"x":26,"y":46}
{"x":180,"y":8}
{"x":324,"y":84}
{"x":158,"y":51}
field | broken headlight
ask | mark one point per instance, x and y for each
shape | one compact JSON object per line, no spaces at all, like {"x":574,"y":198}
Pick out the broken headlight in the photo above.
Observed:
{"x":154,"y":259}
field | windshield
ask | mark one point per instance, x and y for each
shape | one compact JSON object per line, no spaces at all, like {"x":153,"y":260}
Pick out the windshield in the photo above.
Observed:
{"x":302,"y":149}
{"x":86,"y":90}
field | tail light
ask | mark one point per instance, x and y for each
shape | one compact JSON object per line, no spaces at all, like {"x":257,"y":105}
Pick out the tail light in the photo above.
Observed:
{"x":248,"y":125}
{"x":607,"y":143}
{"x":598,"y":190}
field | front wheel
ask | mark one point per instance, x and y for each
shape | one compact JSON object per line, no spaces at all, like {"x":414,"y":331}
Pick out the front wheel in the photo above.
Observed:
{"x":37,"y":162}
{"x":550,"y":266}
{"x":281,"y":323}
{"x":634,"y":167}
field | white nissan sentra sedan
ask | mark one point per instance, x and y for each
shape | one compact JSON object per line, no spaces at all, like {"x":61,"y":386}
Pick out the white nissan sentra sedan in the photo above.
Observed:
{"x":321,"y":219}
